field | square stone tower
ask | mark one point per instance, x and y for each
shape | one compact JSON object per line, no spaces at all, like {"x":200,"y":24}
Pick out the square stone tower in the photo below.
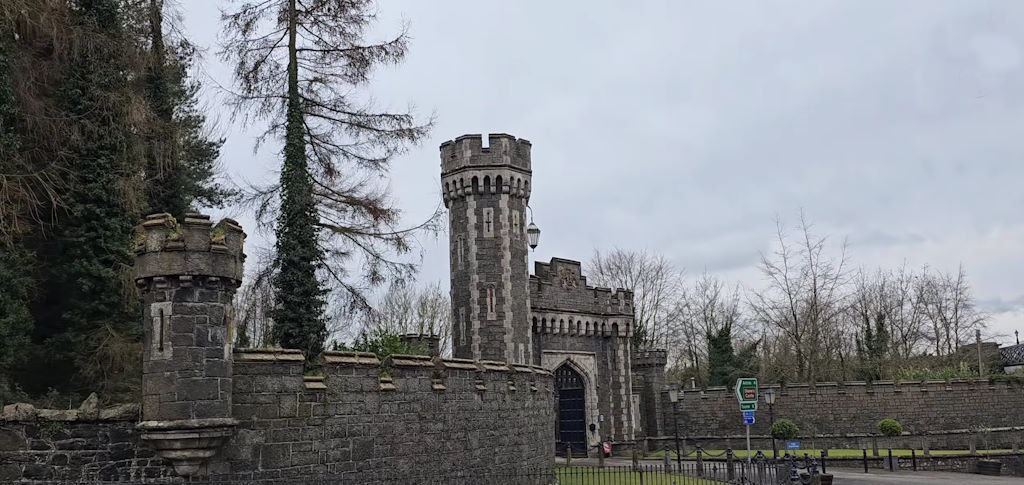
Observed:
{"x":486,"y":190}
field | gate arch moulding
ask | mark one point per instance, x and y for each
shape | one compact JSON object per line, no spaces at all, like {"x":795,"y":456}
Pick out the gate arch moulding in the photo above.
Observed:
{"x":585,"y":364}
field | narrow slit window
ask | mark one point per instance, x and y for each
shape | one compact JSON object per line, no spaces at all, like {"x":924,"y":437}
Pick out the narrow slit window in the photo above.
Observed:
{"x":462,"y":326}
{"x":160,"y":343}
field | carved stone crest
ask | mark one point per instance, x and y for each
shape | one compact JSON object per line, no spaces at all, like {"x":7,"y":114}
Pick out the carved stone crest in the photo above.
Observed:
{"x":567,"y":278}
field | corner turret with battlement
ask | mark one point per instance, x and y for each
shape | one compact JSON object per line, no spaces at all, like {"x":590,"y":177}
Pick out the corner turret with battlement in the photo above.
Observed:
{"x":486,"y":190}
{"x":187,"y":272}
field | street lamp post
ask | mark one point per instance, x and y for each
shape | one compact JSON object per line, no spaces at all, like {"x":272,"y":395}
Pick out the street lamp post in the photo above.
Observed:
{"x":673,"y":396}
{"x":769,"y":399}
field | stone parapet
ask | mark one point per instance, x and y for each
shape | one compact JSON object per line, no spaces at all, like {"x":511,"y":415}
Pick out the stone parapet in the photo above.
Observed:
{"x":413,"y":415}
{"x":468,"y":151}
{"x":559,"y":285}
{"x":193,"y":247}
{"x":657,"y":358}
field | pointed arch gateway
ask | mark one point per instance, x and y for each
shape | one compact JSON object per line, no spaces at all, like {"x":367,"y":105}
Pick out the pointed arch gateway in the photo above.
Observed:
{"x":571,"y":420}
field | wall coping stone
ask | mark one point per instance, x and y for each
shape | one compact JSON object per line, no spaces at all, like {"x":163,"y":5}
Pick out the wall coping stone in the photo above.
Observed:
{"x":926,"y":385}
{"x":347,"y":357}
{"x":314,"y":383}
{"x":402,"y":360}
{"x":463,"y":364}
{"x":494,"y":365}
{"x":522,"y":368}
{"x":269,"y":355}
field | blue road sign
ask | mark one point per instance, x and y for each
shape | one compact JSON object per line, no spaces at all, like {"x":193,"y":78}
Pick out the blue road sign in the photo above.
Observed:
{"x":748,"y":418}
{"x":793,"y":444}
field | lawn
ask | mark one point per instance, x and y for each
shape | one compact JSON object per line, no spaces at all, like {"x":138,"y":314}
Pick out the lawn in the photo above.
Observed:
{"x":598,"y":476}
{"x":833,"y":453}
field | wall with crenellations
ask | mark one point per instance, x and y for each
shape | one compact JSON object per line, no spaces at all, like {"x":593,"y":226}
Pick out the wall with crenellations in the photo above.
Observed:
{"x":408,"y":419}
{"x":947,"y":414}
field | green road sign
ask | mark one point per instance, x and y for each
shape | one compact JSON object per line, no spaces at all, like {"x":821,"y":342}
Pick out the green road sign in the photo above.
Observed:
{"x":746,"y":390}
{"x":748,"y":406}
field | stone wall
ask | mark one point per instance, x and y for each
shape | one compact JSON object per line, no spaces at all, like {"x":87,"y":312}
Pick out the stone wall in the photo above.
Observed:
{"x":406,"y":420}
{"x":846,"y":415}
{"x":435,"y":420}
{"x":77,"y":451}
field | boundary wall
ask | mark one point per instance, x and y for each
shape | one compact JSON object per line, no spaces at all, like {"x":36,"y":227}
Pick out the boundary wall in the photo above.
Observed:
{"x":408,"y":419}
{"x":939,"y":414}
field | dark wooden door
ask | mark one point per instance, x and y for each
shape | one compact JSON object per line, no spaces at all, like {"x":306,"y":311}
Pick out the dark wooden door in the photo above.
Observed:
{"x":572,"y":415}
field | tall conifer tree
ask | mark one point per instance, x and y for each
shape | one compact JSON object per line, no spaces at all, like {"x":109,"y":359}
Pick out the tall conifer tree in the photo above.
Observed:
{"x":180,"y":156}
{"x":297,"y":63}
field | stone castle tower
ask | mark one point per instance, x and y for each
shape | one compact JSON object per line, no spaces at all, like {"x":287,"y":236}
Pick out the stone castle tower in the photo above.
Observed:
{"x":486,"y":190}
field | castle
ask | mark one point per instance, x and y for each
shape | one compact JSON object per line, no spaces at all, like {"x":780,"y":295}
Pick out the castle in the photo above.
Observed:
{"x":542,"y":364}
{"x":551,"y":318}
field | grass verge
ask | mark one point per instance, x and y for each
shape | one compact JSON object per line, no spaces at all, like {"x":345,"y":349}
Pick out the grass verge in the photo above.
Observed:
{"x":834,"y":453}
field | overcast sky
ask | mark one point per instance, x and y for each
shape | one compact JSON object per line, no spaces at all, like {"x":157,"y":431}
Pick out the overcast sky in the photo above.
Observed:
{"x":685,"y":127}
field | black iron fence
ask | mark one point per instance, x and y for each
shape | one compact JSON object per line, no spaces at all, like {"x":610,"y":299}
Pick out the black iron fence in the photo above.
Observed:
{"x":706,"y":469}
{"x":735,"y":472}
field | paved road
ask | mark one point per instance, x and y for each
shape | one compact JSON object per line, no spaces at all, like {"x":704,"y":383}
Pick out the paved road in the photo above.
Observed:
{"x":846,"y":477}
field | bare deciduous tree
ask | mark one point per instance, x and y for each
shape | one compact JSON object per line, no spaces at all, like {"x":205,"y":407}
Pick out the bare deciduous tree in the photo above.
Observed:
{"x":405,"y":308}
{"x":656,"y":285}
{"x":702,"y":309}
{"x":948,"y":303}
{"x":804,"y":296}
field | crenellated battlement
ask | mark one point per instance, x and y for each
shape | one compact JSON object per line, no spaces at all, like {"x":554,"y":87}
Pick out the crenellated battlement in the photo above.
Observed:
{"x":467,"y":168}
{"x":165,"y":247}
{"x":345,"y":371}
{"x":564,"y":279}
{"x":656,"y":358}
{"x":468,"y":151}
{"x":879,"y":387}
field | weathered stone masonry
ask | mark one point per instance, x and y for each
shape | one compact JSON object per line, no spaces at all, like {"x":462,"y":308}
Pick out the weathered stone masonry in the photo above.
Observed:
{"x":588,"y":329}
{"x":552,"y":318}
{"x":431,"y":421}
{"x":846,"y":415}
{"x":486,"y":190}
{"x":219,"y":414}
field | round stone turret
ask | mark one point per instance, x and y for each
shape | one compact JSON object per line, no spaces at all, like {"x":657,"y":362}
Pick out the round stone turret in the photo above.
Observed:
{"x":486,"y":190}
{"x":187,"y":272}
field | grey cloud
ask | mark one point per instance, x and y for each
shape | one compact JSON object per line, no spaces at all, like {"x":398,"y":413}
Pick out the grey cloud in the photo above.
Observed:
{"x":685,"y":126}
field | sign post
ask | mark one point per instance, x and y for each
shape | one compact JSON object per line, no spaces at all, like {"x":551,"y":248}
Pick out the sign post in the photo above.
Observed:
{"x":746,"y":394}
